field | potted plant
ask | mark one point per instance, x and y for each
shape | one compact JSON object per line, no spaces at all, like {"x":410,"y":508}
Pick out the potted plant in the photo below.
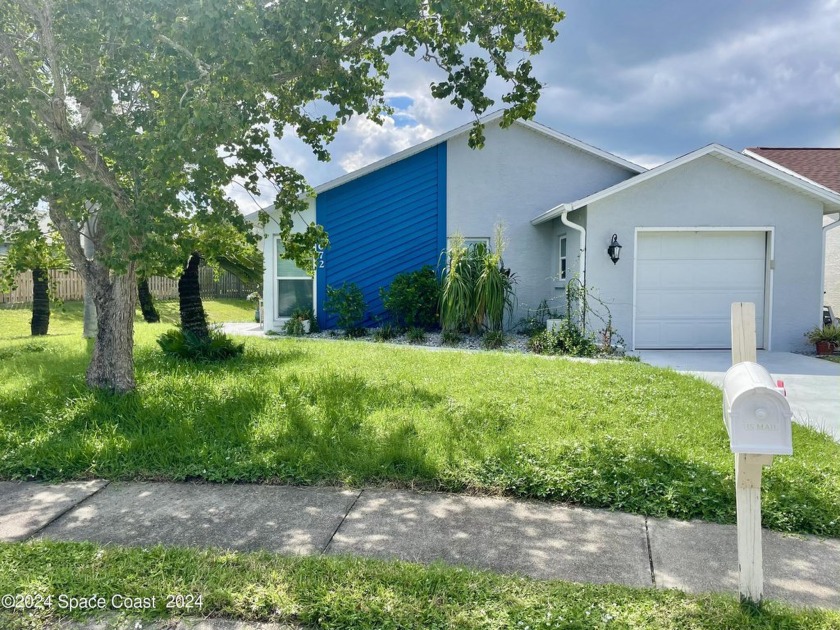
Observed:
{"x":825,"y":338}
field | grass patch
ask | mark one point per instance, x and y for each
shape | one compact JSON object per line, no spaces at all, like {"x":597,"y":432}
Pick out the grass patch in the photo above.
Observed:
{"x":618,"y":435}
{"x":343,"y":592}
{"x":65,"y":318}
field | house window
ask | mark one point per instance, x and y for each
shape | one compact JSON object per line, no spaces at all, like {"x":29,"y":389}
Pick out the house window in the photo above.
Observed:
{"x":481,"y":240}
{"x":472,"y":241}
{"x":295,"y":287}
{"x":561,"y":258}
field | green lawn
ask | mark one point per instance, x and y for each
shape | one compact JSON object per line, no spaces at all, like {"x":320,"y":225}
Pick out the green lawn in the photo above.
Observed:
{"x":66,"y":318}
{"x":619,"y":435}
{"x":343,"y":592}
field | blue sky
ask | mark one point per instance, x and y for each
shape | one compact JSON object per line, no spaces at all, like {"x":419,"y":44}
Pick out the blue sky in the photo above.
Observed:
{"x":648,"y":80}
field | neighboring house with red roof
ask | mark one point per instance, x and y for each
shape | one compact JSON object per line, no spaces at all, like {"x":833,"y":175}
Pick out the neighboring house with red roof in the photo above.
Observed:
{"x":821,"y":166}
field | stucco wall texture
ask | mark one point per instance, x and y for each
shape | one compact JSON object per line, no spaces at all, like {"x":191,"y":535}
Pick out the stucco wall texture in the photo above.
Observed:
{"x":832,"y":266}
{"x":710,"y":193}
{"x":518,"y":175}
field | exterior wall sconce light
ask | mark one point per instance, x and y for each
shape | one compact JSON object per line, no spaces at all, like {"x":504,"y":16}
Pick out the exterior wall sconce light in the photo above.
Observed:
{"x":614,"y":250}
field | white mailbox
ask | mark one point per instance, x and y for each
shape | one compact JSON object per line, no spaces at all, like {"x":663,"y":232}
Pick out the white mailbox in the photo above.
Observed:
{"x":756,"y":413}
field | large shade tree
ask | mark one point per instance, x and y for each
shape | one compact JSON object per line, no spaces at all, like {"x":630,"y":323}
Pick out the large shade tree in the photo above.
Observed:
{"x":146,"y":110}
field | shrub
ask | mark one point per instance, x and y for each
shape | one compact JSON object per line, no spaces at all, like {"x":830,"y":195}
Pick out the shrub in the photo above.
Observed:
{"x":295,"y":326}
{"x":535,"y":320}
{"x":385,"y":332}
{"x":477,"y":288}
{"x":567,"y":339}
{"x":450,"y":338}
{"x":187,"y":345}
{"x":413,"y":298}
{"x":348,"y":303}
{"x":493,"y":339}
{"x":416,"y":335}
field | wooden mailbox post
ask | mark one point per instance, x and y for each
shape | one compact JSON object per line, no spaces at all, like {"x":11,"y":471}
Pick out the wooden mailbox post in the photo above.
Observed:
{"x":757,"y":417}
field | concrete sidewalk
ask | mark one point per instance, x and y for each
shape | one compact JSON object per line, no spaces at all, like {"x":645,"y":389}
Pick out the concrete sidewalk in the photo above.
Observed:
{"x":541,"y":540}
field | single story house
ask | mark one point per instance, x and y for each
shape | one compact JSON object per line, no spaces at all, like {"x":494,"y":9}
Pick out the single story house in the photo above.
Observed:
{"x":820,"y":166}
{"x":699,"y":232}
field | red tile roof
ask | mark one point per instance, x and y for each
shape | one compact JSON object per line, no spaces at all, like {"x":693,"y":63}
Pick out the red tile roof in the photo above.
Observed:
{"x":819,"y":165}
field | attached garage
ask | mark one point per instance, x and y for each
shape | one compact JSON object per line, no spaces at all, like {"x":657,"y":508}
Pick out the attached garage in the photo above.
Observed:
{"x":686,"y":281}
{"x":705,"y":230}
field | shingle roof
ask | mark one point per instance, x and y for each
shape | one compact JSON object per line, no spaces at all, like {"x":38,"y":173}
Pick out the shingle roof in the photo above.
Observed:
{"x":818,"y":165}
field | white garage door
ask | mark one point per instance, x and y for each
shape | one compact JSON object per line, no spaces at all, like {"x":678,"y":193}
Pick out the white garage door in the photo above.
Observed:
{"x":687,"y":281}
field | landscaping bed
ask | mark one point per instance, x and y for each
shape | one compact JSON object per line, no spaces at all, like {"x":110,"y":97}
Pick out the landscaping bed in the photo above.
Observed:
{"x":613,"y":434}
{"x":344,"y":592}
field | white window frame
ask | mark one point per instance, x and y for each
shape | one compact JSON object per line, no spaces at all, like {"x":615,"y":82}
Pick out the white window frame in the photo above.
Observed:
{"x":278,"y":248}
{"x":562,"y":259}
{"x":470,"y":240}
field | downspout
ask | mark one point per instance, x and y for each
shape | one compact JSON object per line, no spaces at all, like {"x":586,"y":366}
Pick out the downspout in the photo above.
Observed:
{"x":564,"y":219}
{"x":825,"y":230}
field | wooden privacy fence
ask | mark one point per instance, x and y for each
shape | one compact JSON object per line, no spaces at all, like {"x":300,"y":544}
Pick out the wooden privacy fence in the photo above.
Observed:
{"x":70,"y":287}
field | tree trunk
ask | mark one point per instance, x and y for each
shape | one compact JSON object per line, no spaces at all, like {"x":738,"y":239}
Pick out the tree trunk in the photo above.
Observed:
{"x":193,"y":317}
{"x":40,"y":323}
{"x":89,"y":323}
{"x":147,"y":303}
{"x":112,"y":364}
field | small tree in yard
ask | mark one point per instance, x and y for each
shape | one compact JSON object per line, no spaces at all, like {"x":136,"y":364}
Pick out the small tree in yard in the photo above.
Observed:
{"x":223,"y":247}
{"x":144,"y":111}
{"x":32,"y":251}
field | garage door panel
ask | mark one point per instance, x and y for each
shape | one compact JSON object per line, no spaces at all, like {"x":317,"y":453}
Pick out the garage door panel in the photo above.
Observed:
{"x":707,"y":274}
{"x":712,"y":245}
{"x":687,"y":281}
{"x":680,"y":304}
{"x":686,"y":334}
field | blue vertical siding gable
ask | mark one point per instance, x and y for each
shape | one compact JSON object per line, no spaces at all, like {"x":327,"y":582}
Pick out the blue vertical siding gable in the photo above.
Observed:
{"x":387,"y":222}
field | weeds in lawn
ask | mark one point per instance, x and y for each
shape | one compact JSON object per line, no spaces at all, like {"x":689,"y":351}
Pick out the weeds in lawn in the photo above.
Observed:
{"x":493,"y":339}
{"x":450,"y":338}
{"x":386,"y":332}
{"x":416,"y":335}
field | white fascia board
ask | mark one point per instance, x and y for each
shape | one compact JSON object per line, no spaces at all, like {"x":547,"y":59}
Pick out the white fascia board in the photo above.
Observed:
{"x":830,"y":199}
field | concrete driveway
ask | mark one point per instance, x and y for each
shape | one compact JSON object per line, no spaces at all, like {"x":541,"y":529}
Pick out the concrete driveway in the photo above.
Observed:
{"x":813,"y":385}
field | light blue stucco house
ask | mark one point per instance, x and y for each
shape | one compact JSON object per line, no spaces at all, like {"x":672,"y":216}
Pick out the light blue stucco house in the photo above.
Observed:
{"x":698,"y":233}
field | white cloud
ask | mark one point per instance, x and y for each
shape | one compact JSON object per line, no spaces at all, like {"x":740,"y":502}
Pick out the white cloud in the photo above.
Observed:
{"x":371,"y":142}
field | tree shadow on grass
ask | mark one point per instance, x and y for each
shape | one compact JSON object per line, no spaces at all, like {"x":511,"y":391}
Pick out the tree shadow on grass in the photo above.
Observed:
{"x":297,"y":428}
{"x":57,"y":428}
{"x":339,"y":427}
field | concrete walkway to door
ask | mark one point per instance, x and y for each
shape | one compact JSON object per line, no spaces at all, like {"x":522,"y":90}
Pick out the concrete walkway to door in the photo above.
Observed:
{"x":813,"y":385}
